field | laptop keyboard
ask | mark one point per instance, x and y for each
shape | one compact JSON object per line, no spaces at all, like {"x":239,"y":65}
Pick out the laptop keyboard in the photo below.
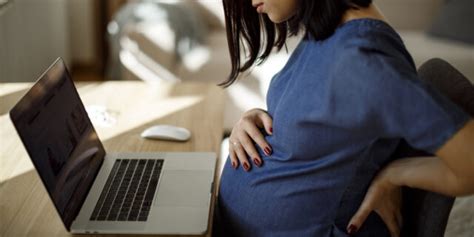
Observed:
{"x":129,"y":191}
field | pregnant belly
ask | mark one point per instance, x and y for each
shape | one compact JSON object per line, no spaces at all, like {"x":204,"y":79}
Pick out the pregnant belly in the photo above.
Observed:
{"x":278,"y":197}
{"x":284,"y":199}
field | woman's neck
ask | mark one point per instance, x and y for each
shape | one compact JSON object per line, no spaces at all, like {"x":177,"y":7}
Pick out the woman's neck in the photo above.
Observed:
{"x":370,"y":12}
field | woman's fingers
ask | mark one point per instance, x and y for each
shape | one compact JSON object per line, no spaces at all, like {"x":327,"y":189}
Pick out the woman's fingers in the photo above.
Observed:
{"x":242,"y":156}
{"x":399,"y":217}
{"x":363,"y":212}
{"x":390,"y":220}
{"x":385,"y":199}
{"x":233,"y":157}
{"x":244,"y":136}
{"x":257,"y":136}
{"x":266,"y":122}
{"x":395,"y":210}
{"x":249,"y":148}
{"x":359,"y":218}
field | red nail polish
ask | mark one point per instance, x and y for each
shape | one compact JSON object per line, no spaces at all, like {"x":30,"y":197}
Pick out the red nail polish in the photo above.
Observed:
{"x":271,"y":130}
{"x":352,"y":229}
{"x":267,"y":151}
{"x":246,"y":166}
{"x":234,"y":164}
{"x":257,"y":162}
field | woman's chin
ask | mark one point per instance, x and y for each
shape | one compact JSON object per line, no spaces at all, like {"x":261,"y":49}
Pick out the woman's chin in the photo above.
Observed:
{"x":277,"y":18}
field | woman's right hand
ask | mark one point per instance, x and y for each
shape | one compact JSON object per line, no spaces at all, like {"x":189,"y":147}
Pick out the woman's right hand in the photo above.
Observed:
{"x":244,"y":136}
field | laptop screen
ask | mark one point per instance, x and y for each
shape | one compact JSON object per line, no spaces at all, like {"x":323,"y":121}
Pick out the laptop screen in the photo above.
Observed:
{"x":60,"y":139}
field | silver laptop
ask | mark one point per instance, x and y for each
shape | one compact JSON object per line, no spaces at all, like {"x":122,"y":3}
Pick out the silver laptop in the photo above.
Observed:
{"x":99,"y":192}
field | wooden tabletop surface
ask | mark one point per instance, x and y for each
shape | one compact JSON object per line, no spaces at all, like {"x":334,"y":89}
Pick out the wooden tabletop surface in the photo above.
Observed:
{"x":25,"y":208}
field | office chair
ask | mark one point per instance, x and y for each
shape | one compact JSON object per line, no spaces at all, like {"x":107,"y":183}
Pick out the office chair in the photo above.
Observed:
{"x":425,"y":214}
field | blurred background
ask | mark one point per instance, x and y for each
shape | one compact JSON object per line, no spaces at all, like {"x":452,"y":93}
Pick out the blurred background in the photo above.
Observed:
{"x":185,"y":40}
{"x":173,"y":40}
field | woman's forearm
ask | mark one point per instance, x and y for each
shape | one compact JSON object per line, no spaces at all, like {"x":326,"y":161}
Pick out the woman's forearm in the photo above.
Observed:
{"x":458,"y":152}
{"x":429,"y":173}
{"x":451,"y":174}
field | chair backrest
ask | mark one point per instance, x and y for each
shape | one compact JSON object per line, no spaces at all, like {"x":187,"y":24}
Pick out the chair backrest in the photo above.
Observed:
{"x":425,"y":213}
{"x":450,"y":82}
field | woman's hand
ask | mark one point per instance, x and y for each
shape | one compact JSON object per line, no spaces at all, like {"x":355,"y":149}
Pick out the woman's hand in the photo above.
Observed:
{"x":245,"y":133}
{"x":385,"y":199}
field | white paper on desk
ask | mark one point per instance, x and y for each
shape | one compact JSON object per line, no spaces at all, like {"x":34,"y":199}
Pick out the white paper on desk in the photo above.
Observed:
{"x":100,"y":116}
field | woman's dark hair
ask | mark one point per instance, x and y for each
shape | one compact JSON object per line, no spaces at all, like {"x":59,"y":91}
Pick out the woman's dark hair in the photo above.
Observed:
{"x":248,"y":30}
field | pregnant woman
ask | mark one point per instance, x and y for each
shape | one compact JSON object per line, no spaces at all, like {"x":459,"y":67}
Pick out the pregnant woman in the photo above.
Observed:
{"x":318,"y":162}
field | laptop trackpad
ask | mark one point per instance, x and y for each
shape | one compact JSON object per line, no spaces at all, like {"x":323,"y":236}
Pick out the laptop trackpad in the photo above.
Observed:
{"x":184,"y":188}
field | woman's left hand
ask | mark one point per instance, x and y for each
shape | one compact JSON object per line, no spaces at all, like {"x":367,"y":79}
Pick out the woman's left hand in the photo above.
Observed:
{"x":383,"y":197}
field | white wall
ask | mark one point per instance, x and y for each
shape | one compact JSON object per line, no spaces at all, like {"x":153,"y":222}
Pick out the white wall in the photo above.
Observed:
{"x":410,"y":14}
{"x":33,"y":33}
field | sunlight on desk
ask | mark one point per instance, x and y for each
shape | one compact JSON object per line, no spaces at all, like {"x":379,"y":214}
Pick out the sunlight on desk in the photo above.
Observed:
{"x":10,"y":168}
{"x":136,"y":119}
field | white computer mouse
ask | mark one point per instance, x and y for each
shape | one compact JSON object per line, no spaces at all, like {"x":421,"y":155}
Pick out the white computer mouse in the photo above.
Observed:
{"x":167,"y":132}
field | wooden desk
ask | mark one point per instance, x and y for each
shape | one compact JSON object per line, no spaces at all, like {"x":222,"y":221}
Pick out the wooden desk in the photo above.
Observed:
{"x":25,"y":208}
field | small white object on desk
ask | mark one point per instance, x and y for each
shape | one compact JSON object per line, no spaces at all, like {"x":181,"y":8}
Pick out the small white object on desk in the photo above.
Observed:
{"x":167,"y":132}
{"x":100,"y":116}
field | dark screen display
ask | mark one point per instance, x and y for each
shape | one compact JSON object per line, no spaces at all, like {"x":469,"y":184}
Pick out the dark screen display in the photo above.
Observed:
{"x":60,"y":139}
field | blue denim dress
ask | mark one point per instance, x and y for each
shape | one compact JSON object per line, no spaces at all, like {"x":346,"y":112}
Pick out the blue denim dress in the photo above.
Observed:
{"x":340,"y":107}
